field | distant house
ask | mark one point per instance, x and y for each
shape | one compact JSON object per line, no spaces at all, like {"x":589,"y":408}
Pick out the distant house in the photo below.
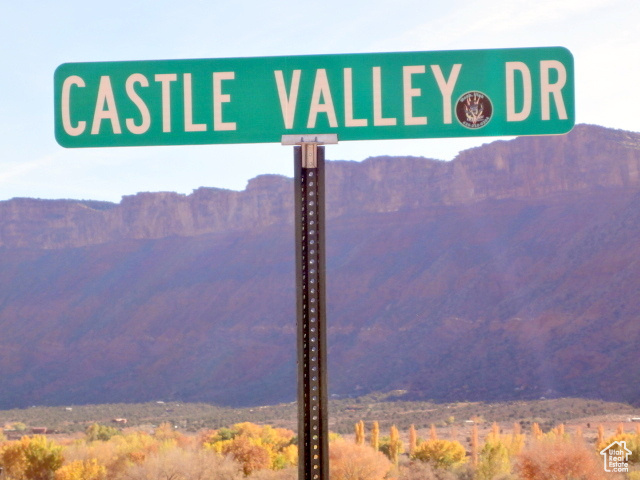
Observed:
{"x":39,"y":430}
{"x":12,"y":434}
{"x":120,"y":421}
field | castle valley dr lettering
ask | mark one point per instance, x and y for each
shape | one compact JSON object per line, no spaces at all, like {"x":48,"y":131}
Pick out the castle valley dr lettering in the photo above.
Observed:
{"x":358,"y":97}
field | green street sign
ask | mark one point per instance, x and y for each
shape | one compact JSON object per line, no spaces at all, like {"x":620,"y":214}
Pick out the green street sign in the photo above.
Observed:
{"x":466,"y":93}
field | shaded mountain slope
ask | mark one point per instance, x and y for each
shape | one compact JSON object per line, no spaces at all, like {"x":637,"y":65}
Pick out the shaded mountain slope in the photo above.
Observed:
{"x":510,"y":272}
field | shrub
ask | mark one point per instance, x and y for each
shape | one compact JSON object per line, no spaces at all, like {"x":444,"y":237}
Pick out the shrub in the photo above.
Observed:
{"x":550,"y":460}
{"x":290,"y":473}
{"x":349,"y":461}
{"x":183,"y":464}
{"x":424,"y":471}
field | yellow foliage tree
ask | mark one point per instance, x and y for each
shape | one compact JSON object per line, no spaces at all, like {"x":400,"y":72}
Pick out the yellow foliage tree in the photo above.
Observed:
{"x":375,"y":436}
{"x":96,"y":432}
{"x":248,"y":429}
{"x":165,"y":431}
{"x":13,"y":460}
{"x":632,"y":442}
{"x":392,"y":446}
{"x":395,"y":444}
{"x":413,"y":439}
{"x":272,"y":448}
{"x":494,"y":460}
{"x":248,"y":453}
{"x":513,"y":443}
{"x":440,"y":453}
{"x":89,"y":469}
{"x":359,"y":431}
{"x":31,"y":458}
{"x":123,"y":450}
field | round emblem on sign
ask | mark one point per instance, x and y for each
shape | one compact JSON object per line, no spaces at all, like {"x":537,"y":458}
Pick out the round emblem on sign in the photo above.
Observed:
{"x":474,"y":110}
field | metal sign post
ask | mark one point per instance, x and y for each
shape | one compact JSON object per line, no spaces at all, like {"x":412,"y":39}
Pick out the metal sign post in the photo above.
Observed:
{"x":313,"y":432}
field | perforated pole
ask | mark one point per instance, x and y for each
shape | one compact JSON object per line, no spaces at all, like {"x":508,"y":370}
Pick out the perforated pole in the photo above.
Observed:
{"x":313,"y":444}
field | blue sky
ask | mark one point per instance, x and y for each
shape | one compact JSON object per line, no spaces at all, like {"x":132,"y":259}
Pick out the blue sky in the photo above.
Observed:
{"x":37,"y":36}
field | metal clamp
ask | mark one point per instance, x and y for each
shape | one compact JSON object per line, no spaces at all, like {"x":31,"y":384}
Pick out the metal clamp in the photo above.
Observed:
{"x":323,"y":139}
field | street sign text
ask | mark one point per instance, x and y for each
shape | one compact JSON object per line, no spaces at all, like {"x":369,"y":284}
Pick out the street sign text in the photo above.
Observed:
{"x":357,"y":96}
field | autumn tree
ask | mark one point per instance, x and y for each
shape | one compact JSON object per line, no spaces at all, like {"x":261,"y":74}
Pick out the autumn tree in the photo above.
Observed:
{"x":536,"y":431}
{"x":375,"y":436}
{"x":350,"y":461}
{"x":248,"y":453}
{"x":517,"y":428}
{"x":494,"y":460}
{"x":31,"y":458}
{"x":134,"y":448}
{"x":89,"y":469}
{"x":440,"y":453}
{"x":413,"y":439}
{"x":165,"y":431}
{"x":19,"y":426}
{"x":494,"y":434}
{"x":553,"y":459}
{"x":392,"y":446}
{"x":13,"y":460}
{"x":474,"y":445}
{"x":632,"y":442}
{"x":255,"y":447}
{"x":359,"y":431}
{"x":97,"y":432}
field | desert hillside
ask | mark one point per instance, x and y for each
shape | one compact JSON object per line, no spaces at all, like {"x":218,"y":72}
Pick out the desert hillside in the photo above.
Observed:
{"x":510,"y":272}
